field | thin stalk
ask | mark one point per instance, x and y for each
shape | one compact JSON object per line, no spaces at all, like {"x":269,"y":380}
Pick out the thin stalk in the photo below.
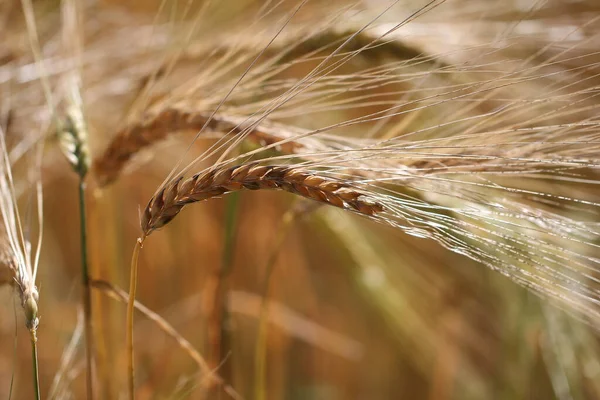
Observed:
{"x":260,"y":355}
{"x":106,"y":350}
{"x":231,"y":217}
{"x":130,"y":308}
{"x":219,"y":321}
{"x":34,"y":361}
{"x":87,"y":293}
{"x":115,"y":293}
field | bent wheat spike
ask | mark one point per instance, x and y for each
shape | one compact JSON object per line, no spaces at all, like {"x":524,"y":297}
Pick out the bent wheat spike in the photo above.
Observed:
{"x":165,"y":205}
{"x":157,"y":126}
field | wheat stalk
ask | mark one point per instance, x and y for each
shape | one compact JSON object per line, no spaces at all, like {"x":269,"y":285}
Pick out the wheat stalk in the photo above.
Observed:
{"x":171,"y":199}
{"x":73,"y":139}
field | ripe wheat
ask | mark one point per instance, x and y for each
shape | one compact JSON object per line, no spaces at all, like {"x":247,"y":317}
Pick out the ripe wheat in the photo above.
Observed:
{"x":459,"y":151}
{"x":165,"y":205}
{"x":487,"y":144}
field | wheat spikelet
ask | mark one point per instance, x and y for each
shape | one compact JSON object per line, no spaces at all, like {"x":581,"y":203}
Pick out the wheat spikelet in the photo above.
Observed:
{"x":72,"y":135}
{"x":16,"y":247}
{"x":165,"y":205}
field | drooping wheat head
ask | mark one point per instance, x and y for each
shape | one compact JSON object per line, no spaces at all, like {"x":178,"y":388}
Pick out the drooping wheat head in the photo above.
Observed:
{"x":164,"y":206}
{"x":473,"y":160}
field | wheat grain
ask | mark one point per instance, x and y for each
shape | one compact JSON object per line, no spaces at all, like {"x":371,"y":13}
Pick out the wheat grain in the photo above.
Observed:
{"x":165,"y":205}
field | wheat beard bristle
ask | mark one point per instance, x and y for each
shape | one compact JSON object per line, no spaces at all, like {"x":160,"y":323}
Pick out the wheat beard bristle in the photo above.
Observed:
{"x":165,"y":206}
{"x":157,"y":126}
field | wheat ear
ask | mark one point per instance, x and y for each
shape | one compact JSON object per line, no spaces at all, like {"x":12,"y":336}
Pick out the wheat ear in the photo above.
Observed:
{"x":156,"y":126}
{"x":73,"y":138}
{"x":169,"y":201}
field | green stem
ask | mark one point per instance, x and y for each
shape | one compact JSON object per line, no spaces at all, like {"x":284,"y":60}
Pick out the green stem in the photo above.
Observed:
{"x":87,"y":296}
{"x":221,"y":337}
{"x":260,"y":355}
{"x":34,"y":360}
{"x":231,"y":214}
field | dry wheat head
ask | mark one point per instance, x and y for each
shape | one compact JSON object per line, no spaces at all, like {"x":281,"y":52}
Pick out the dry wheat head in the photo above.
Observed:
{"x":165,"y":205}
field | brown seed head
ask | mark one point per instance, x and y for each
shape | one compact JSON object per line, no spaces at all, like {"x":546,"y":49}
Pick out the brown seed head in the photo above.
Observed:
{"x":165,"y":205}
{"x":157,"y":125}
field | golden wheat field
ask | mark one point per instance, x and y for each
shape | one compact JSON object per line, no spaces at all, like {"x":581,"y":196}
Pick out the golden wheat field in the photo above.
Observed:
{"x":300,"y":199}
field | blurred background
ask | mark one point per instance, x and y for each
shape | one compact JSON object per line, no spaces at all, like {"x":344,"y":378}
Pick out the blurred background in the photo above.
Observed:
{"x":345,"y":308}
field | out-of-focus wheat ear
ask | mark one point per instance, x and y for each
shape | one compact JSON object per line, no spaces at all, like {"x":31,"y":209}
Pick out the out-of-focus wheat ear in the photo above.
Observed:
{"x":171,"y":199}
{"x":19,"y":248}
{"x":73,"y":138}
{"x":158,"y":125}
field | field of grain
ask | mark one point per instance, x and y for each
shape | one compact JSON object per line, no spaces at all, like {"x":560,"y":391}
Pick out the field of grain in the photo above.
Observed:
{"x":333,"y":200}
